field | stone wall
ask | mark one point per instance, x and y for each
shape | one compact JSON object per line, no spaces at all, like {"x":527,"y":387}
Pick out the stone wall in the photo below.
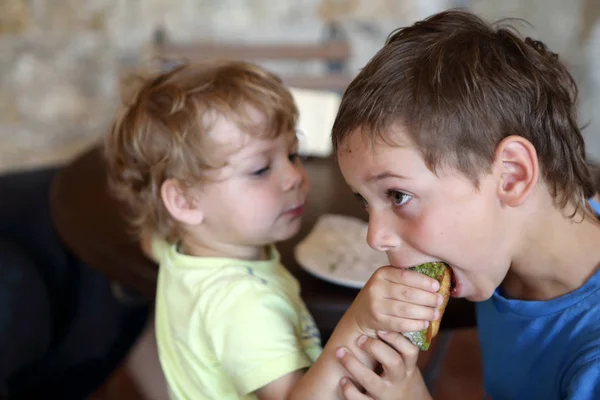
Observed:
{"x":60,"y":59}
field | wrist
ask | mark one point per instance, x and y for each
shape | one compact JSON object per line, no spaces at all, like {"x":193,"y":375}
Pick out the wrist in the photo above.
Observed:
{"x":419,"y":389}
{"x":353,"y":321}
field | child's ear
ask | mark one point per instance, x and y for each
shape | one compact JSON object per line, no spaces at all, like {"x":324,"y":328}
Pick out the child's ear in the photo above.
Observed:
{"x":181,"y":203}
{"x":518,"y":170}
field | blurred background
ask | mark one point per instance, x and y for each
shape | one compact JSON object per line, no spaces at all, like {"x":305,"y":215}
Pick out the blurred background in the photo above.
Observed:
{"x":62,"y":63}
{"x":61,"y":60}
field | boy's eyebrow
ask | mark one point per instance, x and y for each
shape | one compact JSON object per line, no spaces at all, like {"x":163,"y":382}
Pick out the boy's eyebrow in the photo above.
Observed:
{"x":384,"y":175}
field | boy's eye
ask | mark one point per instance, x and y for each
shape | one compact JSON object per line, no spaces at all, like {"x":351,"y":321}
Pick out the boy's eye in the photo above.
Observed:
{"x":261,"y":171}
{"x":398,"y":198}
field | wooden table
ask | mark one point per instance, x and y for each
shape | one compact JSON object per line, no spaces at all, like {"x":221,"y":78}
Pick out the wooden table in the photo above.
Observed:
{"x":89,"y":222}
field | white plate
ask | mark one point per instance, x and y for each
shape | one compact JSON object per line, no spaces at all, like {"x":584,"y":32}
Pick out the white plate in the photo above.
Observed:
{"x":336,"y":250}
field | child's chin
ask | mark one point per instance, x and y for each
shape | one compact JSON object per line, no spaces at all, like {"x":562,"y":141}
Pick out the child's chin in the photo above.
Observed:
{"x":292,"y":230}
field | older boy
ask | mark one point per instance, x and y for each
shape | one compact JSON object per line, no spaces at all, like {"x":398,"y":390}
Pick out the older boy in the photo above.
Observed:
{"x":462,"y":140}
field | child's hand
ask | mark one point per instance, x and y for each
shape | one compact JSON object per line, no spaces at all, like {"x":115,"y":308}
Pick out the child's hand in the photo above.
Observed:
{"x":396,"y":300}
{"x":400,"y":378}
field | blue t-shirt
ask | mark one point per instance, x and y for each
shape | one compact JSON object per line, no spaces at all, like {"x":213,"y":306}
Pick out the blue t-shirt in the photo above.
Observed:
{"x":542,"y":349}
{"x":595,"y":206}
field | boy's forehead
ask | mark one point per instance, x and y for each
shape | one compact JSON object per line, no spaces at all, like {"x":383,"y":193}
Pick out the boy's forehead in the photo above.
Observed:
{"x":360,"y":143}
{"x":368,"y":156}
{"x":367,"y":139}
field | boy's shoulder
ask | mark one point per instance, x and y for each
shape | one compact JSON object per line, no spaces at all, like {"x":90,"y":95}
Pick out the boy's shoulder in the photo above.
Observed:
{"x":568,"y":326}
{"x":581,"y":378}
{"x":556,"y":343}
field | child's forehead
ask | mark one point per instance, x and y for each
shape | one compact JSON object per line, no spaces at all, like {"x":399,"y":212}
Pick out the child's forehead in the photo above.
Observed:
{"x":248,"y":153}
{"x":233,"y":146}
{"x":239,"y":131}
{"x":224,"y":131}
{"x":253,"y":145}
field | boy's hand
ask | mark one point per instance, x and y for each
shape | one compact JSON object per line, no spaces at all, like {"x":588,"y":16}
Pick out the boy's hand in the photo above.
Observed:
{"x":400,"y":377}
{"x":396,"y":300}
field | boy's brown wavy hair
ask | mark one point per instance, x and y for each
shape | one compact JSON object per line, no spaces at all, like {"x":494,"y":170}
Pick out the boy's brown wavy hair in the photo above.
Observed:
{"x":460,"y":85}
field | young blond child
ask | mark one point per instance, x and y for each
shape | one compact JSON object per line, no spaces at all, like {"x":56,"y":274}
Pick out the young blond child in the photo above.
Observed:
{"x":206,"y":159}
{"x":462,"y":140}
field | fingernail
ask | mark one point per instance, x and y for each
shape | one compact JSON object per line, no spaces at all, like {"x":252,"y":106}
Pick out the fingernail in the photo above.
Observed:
{"x":344,"y":381}
{"x":426,"y":324}
{"x":436,"y":314}
{"x":440,"y":299}
{"x":362,"y":340}
{"x":436,"y":286}
{"x":340,"y":352}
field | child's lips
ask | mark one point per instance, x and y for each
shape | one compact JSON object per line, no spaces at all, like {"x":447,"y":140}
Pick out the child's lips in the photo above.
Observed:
{"x":296,"y":211}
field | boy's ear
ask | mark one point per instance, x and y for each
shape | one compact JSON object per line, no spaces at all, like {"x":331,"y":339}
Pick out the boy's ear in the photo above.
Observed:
{"x":181,"y":203}
{"x":518,"y":169}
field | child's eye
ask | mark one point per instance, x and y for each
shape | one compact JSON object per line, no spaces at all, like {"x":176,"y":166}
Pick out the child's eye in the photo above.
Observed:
{"x":362,"y":200}
{"x":261,"y":171}
{"x":398,"y":198}
{"x":293,"y":157}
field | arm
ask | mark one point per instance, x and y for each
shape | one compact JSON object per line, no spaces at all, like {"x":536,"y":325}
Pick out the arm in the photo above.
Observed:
{"x":328,"y":372}
{"x":394,"y":300}
{"x":281,"y":388}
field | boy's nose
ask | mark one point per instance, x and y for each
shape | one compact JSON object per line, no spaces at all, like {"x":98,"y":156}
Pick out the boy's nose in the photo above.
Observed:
{"x":381,"y":234}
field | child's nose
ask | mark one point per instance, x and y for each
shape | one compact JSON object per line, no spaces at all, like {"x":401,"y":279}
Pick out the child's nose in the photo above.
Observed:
{"x":381,"y":234}
{"x":292,"y":177}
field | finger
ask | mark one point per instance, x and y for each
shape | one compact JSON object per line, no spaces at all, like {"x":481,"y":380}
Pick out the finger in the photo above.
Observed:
{"x":360,"y":373}
{"x":408,"y":277}
{"x":412,"y":295}
{"x":408,"y":351}
{"x":401,"y":309}
{"x":350,"y":391}
{"x":400,"y":324}
{"x":390,"y":359}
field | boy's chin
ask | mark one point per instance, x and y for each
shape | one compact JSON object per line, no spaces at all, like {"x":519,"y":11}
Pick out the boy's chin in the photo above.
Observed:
{"x":479,"y":297}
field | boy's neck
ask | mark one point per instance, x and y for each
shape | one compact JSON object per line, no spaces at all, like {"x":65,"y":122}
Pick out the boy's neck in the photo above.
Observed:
{"x":223,"y":250}
{"x":557,"y":257}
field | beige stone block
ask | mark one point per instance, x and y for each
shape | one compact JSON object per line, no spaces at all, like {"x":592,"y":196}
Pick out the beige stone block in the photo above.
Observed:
{"x":341,"y":10}
{"x":590,"y":16}
{"x":9,"y":112}
{"x":14,"y":157}
{"x":14,"y":16}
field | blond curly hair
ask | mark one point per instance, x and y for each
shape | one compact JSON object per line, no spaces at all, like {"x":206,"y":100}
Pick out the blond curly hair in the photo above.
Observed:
{"x":162,"y":132}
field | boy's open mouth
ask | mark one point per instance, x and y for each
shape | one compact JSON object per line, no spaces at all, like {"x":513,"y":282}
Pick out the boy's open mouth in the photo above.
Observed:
{"x":452,"y":282}
{"x":454,"y":286}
